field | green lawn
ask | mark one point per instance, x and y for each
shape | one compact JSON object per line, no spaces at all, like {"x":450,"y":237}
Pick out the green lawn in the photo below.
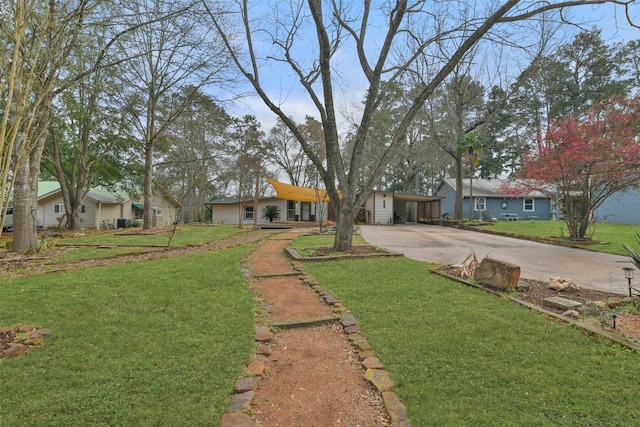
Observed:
{"x":184,"y":235}
{"x":321,"y":240}
{"x":161,"y":343}
{"x":460,"y":356}
{"x":114,"y":243}
{"x":612,"y":235}
{"x":146,"y":344}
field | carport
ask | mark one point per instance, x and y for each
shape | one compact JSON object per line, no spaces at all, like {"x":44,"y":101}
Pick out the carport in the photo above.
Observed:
{"x":386,"y":208}
{"x":416,"y":208}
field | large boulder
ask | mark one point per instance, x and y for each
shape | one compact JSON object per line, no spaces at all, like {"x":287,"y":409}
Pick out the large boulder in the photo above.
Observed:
{"x":499,"y":274}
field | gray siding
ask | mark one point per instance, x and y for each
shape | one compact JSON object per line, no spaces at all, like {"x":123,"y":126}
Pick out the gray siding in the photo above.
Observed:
{"x":493,"y":204}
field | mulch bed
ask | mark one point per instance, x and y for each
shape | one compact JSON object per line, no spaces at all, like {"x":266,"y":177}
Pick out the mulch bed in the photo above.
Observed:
{"x":628,"y":319}
{"x":539,"y":291}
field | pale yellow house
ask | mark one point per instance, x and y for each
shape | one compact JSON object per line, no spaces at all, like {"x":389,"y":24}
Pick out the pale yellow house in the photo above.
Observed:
{"x":116,"y":208}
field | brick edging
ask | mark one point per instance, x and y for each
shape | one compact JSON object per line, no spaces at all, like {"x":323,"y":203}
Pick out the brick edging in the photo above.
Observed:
{"x":237,"y":413}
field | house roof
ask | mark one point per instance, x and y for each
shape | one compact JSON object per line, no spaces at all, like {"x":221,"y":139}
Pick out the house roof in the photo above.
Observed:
{"x":235,"y":201}
{"x":490,"y":187}
{"x":99,"y":194}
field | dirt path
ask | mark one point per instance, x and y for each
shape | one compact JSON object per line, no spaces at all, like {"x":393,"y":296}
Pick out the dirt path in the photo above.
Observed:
{"x":308,"y":372}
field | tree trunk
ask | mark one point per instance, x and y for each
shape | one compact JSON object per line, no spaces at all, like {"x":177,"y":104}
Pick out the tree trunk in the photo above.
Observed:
{"x":25,"y":206}
{"x":24,"y":229}
{"x":345,"y":222}
{"x":256,"y":198}
{"x":148,"y":187}
{"x":457,"y":212}
{"x":344,"y":233}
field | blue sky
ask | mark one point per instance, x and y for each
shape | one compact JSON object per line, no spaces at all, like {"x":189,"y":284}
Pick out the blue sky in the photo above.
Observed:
{"x":609,"y":18}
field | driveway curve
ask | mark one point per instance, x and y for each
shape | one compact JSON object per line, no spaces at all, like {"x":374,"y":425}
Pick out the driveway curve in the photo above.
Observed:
{"x":538,"y":261}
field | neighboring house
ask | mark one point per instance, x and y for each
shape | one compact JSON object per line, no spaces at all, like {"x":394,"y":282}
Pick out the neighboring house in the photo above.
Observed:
{"x":235,"y":211}
{"x":380,"y":208}
{"x":103,"y":205}
{"x":489,"y":202}
{"x":383,"y":207}
{"x":621,"y":208}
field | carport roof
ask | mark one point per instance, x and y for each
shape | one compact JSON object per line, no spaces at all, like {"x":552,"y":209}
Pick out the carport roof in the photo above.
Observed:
{"x":408,"y":197}
{"x":414,"y":197}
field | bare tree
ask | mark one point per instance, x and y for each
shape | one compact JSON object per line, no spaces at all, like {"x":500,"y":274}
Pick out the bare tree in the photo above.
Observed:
{"x":173,"y":53}
{"x":192,"y":162}
{"x":338,"y":28}
{"x":283,"y":150}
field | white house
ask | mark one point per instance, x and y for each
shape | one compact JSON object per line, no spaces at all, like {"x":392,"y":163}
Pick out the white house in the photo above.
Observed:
{"x":100,"y":205}
{"x":235,"y":211}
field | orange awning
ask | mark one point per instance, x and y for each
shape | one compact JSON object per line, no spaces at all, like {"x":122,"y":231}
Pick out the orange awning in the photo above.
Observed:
{"x":302,"y":194}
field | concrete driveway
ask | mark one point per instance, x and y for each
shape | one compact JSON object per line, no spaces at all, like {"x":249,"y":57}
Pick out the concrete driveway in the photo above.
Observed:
{"x":539,"y":261}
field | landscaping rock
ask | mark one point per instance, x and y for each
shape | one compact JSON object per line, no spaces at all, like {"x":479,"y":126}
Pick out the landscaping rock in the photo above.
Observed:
{"x":348,"y":319}
{"x":14,"y":350}
{"x":263,"y":336}
{"x":359,"y":341}
{"x":33,"y":340}
{"x":572,"y":314}
{"x":354,"y":329}
{"x":246,"y":384}
{"x":241,"y":401}
{"x":372,"y":363}
{"x":499,"y":274}
{"x":561,"y":284}
{"x":366,"y":354}
{"x":396,"y":409}
{"x":561,"y":303}
{"x":330,"y":299}
{"x":380,"y":379}
{"x":255,"y":368}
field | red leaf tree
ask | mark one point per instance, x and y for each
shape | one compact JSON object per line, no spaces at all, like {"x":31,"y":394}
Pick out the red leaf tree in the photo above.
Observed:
{"x":586,"y":159}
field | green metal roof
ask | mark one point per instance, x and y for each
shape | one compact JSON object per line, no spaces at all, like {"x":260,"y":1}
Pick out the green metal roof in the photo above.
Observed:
{"x":98,"y":193}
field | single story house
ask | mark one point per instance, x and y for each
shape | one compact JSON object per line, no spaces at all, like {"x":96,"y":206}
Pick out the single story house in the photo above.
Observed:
{"x":381,"y":207}
{"x":236,"y":211}
{"x":104,"y":205}
{"x":491,"y":202}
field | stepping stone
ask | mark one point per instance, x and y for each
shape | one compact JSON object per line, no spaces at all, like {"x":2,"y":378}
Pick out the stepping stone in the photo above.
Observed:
{"x":561,"y":303}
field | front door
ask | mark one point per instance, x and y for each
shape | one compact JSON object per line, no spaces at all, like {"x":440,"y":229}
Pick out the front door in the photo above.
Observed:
{"x":305,"y":211}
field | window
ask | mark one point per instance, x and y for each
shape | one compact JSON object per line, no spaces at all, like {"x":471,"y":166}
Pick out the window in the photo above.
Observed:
{"x":528,"y":205}
{"x":291,"y":209}
{"x":58,"y":208}
{"x":83,"y":209}
{"x":248,"y":212}
{"x":480,"y":203}
{"x":157,"y":211}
